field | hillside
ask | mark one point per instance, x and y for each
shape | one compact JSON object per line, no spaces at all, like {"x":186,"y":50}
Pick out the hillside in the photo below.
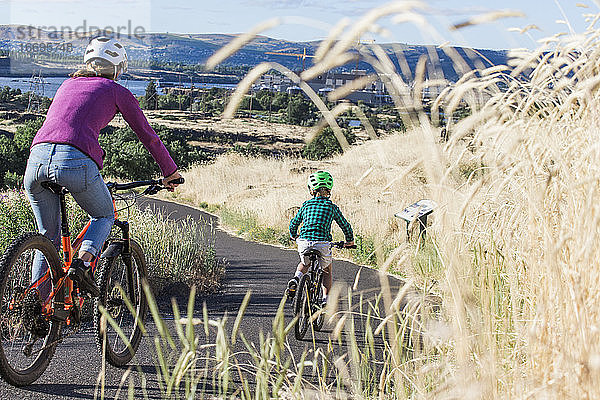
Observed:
{"x":149,"y":50}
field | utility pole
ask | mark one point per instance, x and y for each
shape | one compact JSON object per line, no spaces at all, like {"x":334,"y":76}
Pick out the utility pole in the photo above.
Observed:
{"x":36,"y":93}
{"x":270,"y":99}
{"x":191,"y":93}
{"x":250,"y":103}
{"x":181,"y":92}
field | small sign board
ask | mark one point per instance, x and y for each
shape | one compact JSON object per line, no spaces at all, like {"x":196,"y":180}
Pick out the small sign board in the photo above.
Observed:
{"x":419,"y":209}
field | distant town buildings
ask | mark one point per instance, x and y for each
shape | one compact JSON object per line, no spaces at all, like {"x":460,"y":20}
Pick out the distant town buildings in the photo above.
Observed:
{"x":375,"y":93}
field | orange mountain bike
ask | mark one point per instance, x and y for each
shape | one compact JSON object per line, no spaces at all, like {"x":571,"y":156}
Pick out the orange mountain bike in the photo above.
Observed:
{"x":26,"y":348}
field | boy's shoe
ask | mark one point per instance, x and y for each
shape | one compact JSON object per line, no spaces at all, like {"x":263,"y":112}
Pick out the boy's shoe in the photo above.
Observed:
{"x":31,"y":314}
{"x":292,"y":286}
{"x":83,"y":276}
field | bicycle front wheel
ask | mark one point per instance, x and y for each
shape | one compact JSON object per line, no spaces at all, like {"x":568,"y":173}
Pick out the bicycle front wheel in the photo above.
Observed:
{"x":302,"y":307}
{"x":120,"y":283}
{"x":24,"y":356}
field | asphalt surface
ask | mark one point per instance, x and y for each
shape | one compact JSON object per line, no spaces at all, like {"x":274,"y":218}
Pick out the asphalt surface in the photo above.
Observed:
{"x":262,"y":269}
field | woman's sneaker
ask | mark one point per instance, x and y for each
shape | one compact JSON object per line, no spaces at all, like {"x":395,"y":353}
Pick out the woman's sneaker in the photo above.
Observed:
{"x":31,"y":315}
{"x":292,"y":286}
{"x":79,"y":273}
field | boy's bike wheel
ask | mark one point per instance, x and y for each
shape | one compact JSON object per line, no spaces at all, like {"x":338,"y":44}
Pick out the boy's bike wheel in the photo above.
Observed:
{"x":118,"y":282}
{"x":318,"y":322}
{"x":302,"y":307}
{"x":22,"y":359}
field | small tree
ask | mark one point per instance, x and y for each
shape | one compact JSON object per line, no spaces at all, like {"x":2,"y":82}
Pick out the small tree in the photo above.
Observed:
{"x":326,"y":144}
{"x":151,"y":96}
{"x":14,"y":152}
{"x":127,"y":158}
{"x":300,"y":110}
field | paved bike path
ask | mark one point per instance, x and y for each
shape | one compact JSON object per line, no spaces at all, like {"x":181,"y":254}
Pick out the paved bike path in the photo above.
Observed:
{"x":263,"y":269}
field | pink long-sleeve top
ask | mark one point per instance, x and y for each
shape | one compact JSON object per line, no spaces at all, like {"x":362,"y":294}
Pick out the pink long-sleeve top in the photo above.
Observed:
{"x":83,"y":106}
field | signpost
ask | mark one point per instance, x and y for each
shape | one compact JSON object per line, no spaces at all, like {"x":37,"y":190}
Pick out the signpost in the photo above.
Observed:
{"x":417,"y":211}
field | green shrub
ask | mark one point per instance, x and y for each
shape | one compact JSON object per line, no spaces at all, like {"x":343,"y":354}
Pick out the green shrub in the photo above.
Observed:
{"x":16,"y":216}
{"x":301,"y":111}
{"x":174,"y":102}
{"x":13,"y":180}
{"x":127,"y":158}
{"x":14,"y":153}
{"x":175,"y":252}
{"x":250,"y":150}
{"x":9,"y":95}
{"x":245,"y":104}
{"x":326,"y":145}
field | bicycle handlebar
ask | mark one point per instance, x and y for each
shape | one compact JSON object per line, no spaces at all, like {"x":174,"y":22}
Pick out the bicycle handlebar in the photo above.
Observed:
{"x":341,"y":245}
{"x":154,"y":185}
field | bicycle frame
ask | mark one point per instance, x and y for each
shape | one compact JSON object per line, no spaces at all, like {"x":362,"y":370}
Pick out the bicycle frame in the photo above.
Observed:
{"x":316,"y":276}
{"x":60,"y":302}
{"x":62,"y":299}
{"x":316,"y":272}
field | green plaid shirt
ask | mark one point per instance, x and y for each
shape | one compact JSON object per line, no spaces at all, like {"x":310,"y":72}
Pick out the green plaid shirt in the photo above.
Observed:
{"x":316,"y":216}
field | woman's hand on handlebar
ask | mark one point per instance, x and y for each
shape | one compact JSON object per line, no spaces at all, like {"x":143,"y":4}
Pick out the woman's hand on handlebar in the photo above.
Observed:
{"x":167,"y":182}
{"x":350,"y":244}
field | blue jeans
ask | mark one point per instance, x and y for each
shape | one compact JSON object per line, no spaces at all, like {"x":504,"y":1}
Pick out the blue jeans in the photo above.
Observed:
{"x":67,"y":166}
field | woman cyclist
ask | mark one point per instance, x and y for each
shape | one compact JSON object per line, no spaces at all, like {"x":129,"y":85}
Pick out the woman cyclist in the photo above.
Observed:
{"x":66,"y":151}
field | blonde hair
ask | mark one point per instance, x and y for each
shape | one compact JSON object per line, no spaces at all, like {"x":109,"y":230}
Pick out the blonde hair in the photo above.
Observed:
{"x":97,"y":67}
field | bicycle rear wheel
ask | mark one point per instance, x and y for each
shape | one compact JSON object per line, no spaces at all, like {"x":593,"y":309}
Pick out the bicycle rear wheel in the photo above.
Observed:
{"x":21,"y":365}
{"x":117,"y":281}
{"x":320,"y":318}
{"x":302,"y":307}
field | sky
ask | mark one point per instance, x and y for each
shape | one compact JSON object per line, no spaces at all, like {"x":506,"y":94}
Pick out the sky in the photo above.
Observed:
{"x":304,"y":20}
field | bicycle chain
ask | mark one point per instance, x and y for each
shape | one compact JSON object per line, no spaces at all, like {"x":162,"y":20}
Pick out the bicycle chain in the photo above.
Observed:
{"x":57,"y":341}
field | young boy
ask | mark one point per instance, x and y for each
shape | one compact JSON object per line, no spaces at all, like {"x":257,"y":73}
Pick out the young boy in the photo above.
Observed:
{"x":316,"y":216}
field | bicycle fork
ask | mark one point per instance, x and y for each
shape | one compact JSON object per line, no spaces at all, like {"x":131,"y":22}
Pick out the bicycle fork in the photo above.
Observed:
{"x":122,"y":248}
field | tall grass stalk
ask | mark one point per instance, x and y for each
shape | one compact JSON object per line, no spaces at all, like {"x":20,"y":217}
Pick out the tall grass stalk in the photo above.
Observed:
{"x":176,"y":252}
{"x":187,"y":359}
{"x":513,"y":251}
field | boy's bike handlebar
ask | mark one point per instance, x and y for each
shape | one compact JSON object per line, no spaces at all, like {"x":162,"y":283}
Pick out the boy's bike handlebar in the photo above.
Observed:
{"x":342,"y":245}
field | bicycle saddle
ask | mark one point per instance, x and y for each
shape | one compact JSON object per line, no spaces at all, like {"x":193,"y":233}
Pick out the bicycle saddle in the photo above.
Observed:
{"x":310,"y":253}
{"x":53,"y":187}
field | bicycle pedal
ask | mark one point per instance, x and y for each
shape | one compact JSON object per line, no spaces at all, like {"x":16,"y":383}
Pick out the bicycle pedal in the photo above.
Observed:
{"x":60,"y":314}
{"x":290,"y":293}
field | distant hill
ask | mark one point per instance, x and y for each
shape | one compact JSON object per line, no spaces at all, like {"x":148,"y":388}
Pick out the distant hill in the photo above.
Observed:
{"x":195,"y":49}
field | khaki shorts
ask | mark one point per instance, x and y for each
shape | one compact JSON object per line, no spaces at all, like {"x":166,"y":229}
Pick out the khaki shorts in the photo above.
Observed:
{"x":323,"y":248}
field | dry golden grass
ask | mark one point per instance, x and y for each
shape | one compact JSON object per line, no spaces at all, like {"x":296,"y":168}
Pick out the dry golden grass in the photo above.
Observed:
{"x":517,"y":229}
{"x":372,"y":182}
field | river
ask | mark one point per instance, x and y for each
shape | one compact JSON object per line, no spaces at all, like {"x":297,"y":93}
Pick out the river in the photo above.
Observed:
{"x":51,"y":85}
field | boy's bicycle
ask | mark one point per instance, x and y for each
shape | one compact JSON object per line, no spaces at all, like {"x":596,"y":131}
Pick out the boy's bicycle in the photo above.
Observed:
{"x":29,"y":333}
{"x":307,"y":301}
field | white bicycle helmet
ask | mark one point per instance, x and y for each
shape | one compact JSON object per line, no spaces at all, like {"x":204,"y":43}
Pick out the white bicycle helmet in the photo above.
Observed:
{"x":107,"y":49}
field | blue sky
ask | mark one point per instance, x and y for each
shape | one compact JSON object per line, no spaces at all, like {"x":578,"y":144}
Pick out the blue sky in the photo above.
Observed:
{"x":309,"y":19}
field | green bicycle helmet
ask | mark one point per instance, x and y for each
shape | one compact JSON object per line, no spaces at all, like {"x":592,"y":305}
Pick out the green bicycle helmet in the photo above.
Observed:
{"x":320,"y":179}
